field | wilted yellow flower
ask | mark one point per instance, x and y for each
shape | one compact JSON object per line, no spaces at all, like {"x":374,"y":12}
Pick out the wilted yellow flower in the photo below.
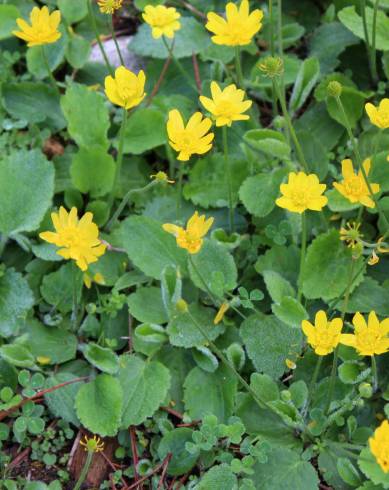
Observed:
{"x":374,"y":259}
{"x":325,"y":335}
{"x":92,"y":445}
{"x":162,"y":20}
{"x":220,"y":314}
{"x":78,"y":239}
{"x":368,"y":338}
{"x":380,"y":248}
{"x":302,"y":192}
{"x":162,"y":177}
{"x":43,"y":28}
{"x":379,"y":445}
{"x":192,"y":138}
{"x":190,"y":238}
{"x":238,"y":27}
{"x":379,"y":116}
{"x":226,"y":105}
{"x":97,"y":278}
{"x":351,"y":234}
{"x":126,"y":89}
{"x":109,"y":6}
{"x":290,"y":364}
{"x":353,"y":186}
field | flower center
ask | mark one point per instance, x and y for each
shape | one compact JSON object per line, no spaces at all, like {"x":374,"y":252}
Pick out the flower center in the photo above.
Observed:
{"x":368,"y":339}
{"x":225,"y":108}
{"x":71,"y":238}
{"x":127,"y":93}
{"x":354,"y":186}
{"x":300,"y":198}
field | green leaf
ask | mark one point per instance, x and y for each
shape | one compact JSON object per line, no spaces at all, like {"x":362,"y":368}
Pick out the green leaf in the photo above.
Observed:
{"x":353,"y":102}
{"x":145,"y":386}
{"x":269,"y":343}
{"x":326,"y":267}
{"x":93,"y":171}
{"x":174,"y":442}
{"x":102,"y":357}
{"x":17,"y":355}
{"x":265,"y":387}
{"x":210,"y":393}
{"x":351,"y":372}
{"x":190,"y":39}
{"x":285,"y":469}
{"x":315,"y":153}
{"x":61,"y":401}
{"x":353,"y":21}
{"x":57,"y":287}
{"x":219,"y":477}
{"x":26,"y":190}
{"x":299,"y":392}
{"x":371,"y":469}
{"x":55,"y":343}
{"x":213,"y":260}
{"x":281,"y":259}
{"x":338,"y":203}
{"x":73,"y":10}
{"x":87,"y":116}
{"x":268,"y":141}
{"x":306,"y":80}
{"x":33,"y":102}
{"x":54,"y":54}
{"x":8,"y":16}
{"x":77,"y":51}
{"x":258,"y":193}
{"x":99,"y":405}
{"x":277,"y":286}
{"x":16,"y":299}
{"x":368,"y":296}
{"x":145,"y":130}
{"x":348,"y":472}
{"x":183,"y":331}
{"x":149,"y":247}
{"x":290,"y":311}
{"x":208,"y":182}
{"x":146,"y":305}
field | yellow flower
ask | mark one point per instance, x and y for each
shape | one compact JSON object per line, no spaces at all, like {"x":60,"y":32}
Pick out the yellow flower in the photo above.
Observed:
{"x":190,"y":238}
{"x":126,"y":89}
{"x":97,"y":278}
{"x":380,"y":248}
{"x":78,"y":239}
{"x":226,"y":105}
{"x":192,"y":138}
{"x":302,"y":192}
{"x":162,"y":20}
{"x":368,"y":339}
{"x":43,"y":360}
{"x":161,"y":177}
{"x":220,"y":314}
{"x":353,"y":187}
{"x":43,"y":28}
{"x":92,"y":445}
{"x":290,"y":364}
{"x":379,"y":445}
{"x":109,"y":6}
{"x":325,"y":335}
{"x":238,"y":27}
{"x":379,"y":116}
{"x":351,"y":234}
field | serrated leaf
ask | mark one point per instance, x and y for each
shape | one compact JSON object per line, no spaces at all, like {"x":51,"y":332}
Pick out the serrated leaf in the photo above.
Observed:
{"x":219,"y":477}
{"x":269,"y":343}
{"x":149,"y":247}
{"x":26,"y":190}
{"x":99,"y":405}
{"x":259,"y":193}
{"x":265,"y":387}
{"x":213,"y":259}
{"x":16,"y":299}
{"x":277,"y":286}
{"x":61,"y":401}
{"x":290,"y":311}
{"x":102,"y":357}
{"x":145,"y":386}
{"x":93,"y":171}
{"x":327,"y":267}
{"x":210,"y":393}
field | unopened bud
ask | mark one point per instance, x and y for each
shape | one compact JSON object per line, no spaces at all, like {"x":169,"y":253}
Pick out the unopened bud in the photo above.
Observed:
{"x":182,"y":306}
{"x":272,"y":66}
{"x":365,"y":390}
{"x":334,"y":89}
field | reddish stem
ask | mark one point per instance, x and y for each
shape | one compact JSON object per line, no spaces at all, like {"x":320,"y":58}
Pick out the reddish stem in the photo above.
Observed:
{"x":135,"y":458}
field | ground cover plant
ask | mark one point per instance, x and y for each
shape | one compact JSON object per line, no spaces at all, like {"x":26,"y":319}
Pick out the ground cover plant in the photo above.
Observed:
{"x":194,"y":229}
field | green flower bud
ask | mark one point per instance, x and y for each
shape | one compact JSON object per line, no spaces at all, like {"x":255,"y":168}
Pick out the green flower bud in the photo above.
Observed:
{"x":334,"y":89}
{"x":182,"y":306}
{"x":286,"y":395}
{"x":365,"y":390}
{"x":272,"y":66}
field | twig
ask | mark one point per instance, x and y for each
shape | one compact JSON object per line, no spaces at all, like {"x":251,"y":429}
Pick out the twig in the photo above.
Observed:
{"x":19,"y":458}
{"x":196,"y":71}
{"x":135,"y":458}
{"x":144,"y":478}
{"x":159,"y":81}
{"x":164,"y":469}
{"x":173,"y":412}
{"x":113,"y":467}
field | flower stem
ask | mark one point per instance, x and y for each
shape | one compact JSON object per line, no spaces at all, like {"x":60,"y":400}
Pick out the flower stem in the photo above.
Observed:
{"x":279,"y":30}
{"x":374,"y":73}
{"x":97,"y":35}
{"x":49,"y":72}
{"x":360,"y":163}
{"x":312,"y":384}
{"x":178,"y":64}
{"x":366,"y":33}
{"x":288,"y":120}
{"x":238,"y":67}
{"x":3,"y":243}
{"x":84,"y":471}
{"x":302,"y":255}
{"x":113,"y":34}
{"x":229,"y":180}
{"x":374,"y":373}
{"x":74,"y":315}
{"x":336,"y":351}
{"x":125,"y":200}
{"x":179,"y":190}
{"x":119,"y":159}
{"x":271,"y":28}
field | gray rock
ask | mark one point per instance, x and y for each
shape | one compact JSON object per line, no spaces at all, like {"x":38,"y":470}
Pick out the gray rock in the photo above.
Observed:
{"x":131,"y":60}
